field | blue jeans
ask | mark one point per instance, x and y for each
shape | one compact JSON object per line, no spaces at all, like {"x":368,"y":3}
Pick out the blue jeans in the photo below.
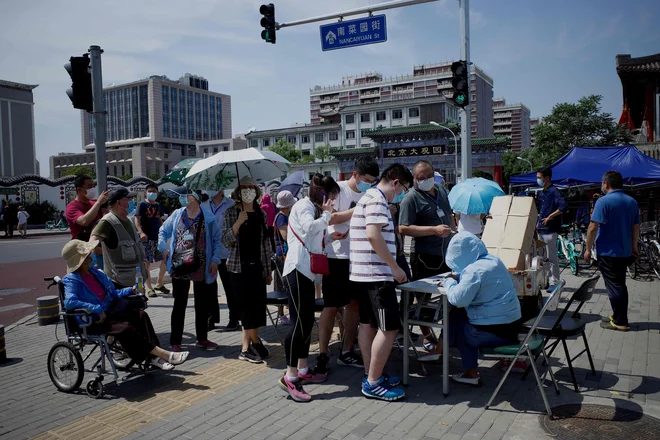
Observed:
{"x":469,"y":339}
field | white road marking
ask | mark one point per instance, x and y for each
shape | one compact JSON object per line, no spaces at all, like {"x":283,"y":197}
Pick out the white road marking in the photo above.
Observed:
{"x":14,"y":307}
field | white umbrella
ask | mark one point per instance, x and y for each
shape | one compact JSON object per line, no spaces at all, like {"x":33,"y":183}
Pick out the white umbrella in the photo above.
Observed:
{"x":225,"y":169}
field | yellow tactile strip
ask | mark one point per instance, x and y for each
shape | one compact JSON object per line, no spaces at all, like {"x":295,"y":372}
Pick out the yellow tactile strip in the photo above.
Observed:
{"x":125,"y":418}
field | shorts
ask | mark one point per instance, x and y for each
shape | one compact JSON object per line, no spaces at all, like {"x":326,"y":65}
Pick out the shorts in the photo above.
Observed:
{"x":378,"y":306}
{"x":337,"y":289}
{"x":151,"y":252}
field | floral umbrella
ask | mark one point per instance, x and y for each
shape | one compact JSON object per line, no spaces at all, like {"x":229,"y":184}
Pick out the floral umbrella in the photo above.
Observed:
{"x":178,"y":173}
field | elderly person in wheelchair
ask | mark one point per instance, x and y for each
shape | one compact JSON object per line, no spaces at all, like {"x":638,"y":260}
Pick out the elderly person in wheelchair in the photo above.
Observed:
{"x":89,"y":289}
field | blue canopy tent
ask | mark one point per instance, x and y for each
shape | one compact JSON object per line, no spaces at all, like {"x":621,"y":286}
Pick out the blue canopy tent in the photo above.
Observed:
{"x":586,"y":165}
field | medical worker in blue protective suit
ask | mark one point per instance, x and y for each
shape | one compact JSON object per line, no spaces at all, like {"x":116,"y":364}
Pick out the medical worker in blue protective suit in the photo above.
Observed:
{"x":487,"y":310}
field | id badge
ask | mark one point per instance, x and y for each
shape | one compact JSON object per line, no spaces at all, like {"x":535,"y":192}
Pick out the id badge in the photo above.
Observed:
{"x":188,"y":236}
{"x":440,"y":213}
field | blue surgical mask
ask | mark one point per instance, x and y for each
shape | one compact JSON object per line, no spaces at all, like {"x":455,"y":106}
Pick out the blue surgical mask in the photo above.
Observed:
{"x":152,"y":196}
{"x":212,"y":194}
{"x":540,"y":182}
{"x":363,"y":186}
{"x":398,"y":197}
{"x":183,"y":200}
{"x":131,"y":206}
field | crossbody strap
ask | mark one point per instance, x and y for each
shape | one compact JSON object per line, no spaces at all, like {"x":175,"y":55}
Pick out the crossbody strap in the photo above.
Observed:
{"x":303,"y":243}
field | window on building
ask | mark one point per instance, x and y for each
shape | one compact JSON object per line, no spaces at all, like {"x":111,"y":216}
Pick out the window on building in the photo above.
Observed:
{"x":277,"y":139}
{"x":206,"y":150}
{"x":349,"y":119}
{"x":311,"y":176}
{"x":413,"y":112}
{"x":350,"y":134}
{"x":365,"y":145}
{"x":167,"y":168}
{"x":166,"y":155}
{"x":381,"y":116}
{"x":363,"y":133}
{"x":327,"y":173}
{"x":305,"y":139}
{"x":397,"y":114}
{"x":333,"y":136}
{"x":318,"y":137}
{"x":291,"y":139}
{"x":266,"y":142}
{"x":215,"y":149}
{"x":254,"y":143}
{"x":365,"y":117}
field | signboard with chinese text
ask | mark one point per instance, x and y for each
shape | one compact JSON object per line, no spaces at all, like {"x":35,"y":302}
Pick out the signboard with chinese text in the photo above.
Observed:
{"x":412,"y":151}
{"x":367,"y":30}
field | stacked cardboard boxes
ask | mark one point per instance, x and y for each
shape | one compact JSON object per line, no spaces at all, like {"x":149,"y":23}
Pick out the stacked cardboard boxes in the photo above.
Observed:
{"x":509,"y":234}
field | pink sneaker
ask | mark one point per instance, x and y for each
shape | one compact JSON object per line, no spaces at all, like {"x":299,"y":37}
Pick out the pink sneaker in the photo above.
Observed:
{"x":176,"y":348}
{"x":207,"y":345}
{"x":294,"y":389}
{"x":312,"y":377}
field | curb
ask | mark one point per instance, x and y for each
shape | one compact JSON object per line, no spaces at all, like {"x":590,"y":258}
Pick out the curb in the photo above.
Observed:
{"x":39,"y":234}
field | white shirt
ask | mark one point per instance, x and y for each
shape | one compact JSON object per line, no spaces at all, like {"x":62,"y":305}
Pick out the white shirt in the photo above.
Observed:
{"x":301,"y":220}
{"x":366,"y":265}
{"x":22,"y":217}
{"x":470,"y":223}
{"x":346,"y":200}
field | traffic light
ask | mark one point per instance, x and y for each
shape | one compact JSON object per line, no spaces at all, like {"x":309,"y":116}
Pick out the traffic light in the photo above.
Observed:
{"x":268,"y":23}
{"x":80,"y":92}
{"x":459,"y":82}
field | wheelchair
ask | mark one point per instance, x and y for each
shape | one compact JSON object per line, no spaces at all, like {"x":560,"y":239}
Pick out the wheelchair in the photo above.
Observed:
{"x":66,"y":365}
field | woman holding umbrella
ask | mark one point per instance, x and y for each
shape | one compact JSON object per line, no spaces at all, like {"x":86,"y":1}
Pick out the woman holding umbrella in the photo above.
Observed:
{"x":249,"y":262}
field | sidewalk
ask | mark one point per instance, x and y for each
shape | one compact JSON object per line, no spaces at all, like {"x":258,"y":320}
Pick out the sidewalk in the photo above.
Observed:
{"x":216,"y":396}
{"x":40,"y":232}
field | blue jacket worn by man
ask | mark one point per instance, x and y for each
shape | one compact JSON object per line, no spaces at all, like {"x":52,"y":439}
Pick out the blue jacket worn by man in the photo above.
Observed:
{"x":485,"y":288}
{"x":78,"y":296}
{"x":213,"y":237}
{"x":551,"y":200}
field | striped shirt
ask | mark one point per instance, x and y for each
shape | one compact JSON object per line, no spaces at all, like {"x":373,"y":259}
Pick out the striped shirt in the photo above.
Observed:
{"x":366,"y":265}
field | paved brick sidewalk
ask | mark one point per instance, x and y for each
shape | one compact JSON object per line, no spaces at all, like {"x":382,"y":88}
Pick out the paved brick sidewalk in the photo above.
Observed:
{"x":216,"y":396}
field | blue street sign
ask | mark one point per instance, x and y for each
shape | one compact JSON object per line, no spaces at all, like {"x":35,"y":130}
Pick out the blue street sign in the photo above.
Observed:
{"x":367,"y":30}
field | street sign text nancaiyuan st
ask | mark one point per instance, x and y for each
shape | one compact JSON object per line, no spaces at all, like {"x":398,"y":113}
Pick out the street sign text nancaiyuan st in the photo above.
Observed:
{"x":367,"y":30}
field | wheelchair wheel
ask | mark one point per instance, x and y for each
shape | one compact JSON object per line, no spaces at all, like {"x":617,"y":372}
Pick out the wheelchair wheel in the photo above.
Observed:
{"x":95,"y":388}
{"x":121,"y":359}
{"x":65,"y":367}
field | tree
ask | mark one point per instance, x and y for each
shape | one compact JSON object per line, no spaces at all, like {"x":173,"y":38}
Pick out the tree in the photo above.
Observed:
{"x":154,"y":176}
{"x":307,"y":158}
{"x":126,"y":177}
{"x":287,"y":150}
{"x":569,"y":125}
{"x":79,"y":171}
{"x":322,"y":153}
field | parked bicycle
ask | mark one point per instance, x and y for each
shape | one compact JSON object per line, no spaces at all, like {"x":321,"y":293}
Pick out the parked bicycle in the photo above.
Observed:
{"x":59,"y":224}
{"x":571,"y":246}
{"x":648,"y":259}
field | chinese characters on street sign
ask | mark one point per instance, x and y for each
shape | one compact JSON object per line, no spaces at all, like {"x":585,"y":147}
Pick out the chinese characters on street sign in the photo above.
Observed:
{"x":367,"y":30}
{"x":412,"y":151}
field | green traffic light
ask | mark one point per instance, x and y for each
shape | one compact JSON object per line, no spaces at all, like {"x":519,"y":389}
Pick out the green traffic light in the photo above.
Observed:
{"x":460,"y":99}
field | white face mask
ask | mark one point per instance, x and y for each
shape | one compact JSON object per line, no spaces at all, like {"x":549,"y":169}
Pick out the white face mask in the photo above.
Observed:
{"x":426,"y":184}
{"x":248,"y":195}
{"x":90,"y":193}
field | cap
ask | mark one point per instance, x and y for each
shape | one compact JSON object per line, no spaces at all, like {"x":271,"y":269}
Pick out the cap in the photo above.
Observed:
{"x":184,"y":191}
{"x":285,"y":199}
{"x":117,"y":194}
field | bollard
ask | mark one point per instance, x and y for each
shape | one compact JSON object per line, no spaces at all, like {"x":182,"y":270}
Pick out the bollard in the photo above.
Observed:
{"x":3,"y":352}
{"x":48,"y":310}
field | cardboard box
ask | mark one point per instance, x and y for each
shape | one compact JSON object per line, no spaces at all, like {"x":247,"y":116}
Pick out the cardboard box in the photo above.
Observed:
{"x":513,"y":259}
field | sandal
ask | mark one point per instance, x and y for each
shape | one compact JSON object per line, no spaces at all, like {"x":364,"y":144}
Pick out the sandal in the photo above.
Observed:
{"x":162,"y":364}
{"x":177,"y":358}
{"x":474,"y":381}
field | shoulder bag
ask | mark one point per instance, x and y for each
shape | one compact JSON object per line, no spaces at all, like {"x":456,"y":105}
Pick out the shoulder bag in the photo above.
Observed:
{"x":188,"y":261}
{"x":318,"y":262}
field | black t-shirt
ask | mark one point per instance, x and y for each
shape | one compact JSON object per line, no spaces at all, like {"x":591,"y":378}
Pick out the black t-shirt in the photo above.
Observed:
{"x":150,"y":214}
{"x":249,"y":238}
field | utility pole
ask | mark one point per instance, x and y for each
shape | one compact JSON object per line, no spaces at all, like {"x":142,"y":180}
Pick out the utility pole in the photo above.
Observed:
{"x":99,"y":118}
{"x":466,"y":142}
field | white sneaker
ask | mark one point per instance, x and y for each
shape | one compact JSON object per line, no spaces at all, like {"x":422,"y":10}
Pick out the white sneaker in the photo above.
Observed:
{"x":474,"y":381}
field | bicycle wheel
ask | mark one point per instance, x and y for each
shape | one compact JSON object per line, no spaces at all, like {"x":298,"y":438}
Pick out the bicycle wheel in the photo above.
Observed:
{"x":572,"y":258}
{"x":645,"y":262}
{"x":562,"y":253}
{"x":63,"y":226}
{"x":50,"y":226}
{"x":654,"y":253}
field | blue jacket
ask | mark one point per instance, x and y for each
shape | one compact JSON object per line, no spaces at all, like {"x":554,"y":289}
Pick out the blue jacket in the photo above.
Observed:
{"x":485,"y":288}
{"x":550,"y":201}
{"x":78,"y":296}
{"x":213,"y":239}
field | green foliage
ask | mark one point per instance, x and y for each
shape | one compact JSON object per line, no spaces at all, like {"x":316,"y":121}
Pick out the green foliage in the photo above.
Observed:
{"x":40,"y":213}
{"x":306,"y":159}
{"x":79,"y":171}
{"x":569,"y":125}
{"x":287,"y":150}
{"x":154,"y":176}
{"x":169,"y":204}
{"x":126,"y":177}
{"x":322,"y":153}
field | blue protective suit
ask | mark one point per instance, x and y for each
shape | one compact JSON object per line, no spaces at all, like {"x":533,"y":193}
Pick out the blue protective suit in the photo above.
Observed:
{"x":485,"y":288}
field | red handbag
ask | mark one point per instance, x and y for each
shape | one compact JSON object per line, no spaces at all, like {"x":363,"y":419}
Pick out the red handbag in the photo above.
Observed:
{"x":318,"y":262}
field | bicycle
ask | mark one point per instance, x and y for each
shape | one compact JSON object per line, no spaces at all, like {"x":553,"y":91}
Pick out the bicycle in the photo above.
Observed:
{"x":648,"y":259}
{"x":59,"y":224}
{"x":571,"y":246}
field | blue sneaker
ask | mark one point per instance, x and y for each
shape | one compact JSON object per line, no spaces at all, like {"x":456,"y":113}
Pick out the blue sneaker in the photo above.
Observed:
{"x":551,"y":289}
{"x":382,"y":391}
{"x":391,"y":380}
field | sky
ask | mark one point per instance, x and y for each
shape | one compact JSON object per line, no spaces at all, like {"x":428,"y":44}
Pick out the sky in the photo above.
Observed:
{"x":539,"y":53}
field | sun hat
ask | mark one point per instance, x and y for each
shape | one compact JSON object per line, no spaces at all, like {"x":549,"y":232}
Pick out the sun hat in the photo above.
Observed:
{"x":285,"y":199}
{"x":76,"y":251}
{"x":248,"y":181}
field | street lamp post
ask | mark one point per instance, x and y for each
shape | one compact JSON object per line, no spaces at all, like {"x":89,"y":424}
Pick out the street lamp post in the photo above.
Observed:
{"x":531,"y":167}
{"x":455,"y":147}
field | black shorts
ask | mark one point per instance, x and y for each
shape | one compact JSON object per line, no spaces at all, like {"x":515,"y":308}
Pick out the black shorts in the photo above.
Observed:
{"x":250,"y":289}
{"x":337,"y":289}
{"x":378,"y":305}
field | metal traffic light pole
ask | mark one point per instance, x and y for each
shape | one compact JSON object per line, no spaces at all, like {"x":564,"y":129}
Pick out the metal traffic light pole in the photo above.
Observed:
{"x":99,"y":122}
{"x":466,"y":141}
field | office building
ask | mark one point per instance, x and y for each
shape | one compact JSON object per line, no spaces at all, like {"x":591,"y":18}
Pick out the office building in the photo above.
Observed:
{"x":152,"y":124}
{"x":533,"y":123}
{"x":209,"y":148}
{"x":512,"y":121}
{"x":17,"y":145}
{"x":426,"y":81}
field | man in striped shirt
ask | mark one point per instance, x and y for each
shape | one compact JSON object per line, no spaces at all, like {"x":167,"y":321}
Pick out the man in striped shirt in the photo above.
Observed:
{"x":373,"y":265}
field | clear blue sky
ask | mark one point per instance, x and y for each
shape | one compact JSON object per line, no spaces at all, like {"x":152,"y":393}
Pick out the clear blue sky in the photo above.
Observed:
{"x":538,"y":52}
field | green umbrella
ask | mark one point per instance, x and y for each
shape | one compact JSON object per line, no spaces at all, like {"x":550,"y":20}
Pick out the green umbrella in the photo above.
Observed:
{"x":179,"y":171}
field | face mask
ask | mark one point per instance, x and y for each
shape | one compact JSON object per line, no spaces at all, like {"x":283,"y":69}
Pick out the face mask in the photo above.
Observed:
{"x":398,"y":197}
{"x":426,"y":184}
{"x":131,"y":206}
{"x":363,"y":186}
{"x":540,"y":182}
{"x":212,"y":194}
{"x":90,"y":193}
{"x":152,"y":196}
{"x":183,"y":200}
{"x":248,"y":195}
